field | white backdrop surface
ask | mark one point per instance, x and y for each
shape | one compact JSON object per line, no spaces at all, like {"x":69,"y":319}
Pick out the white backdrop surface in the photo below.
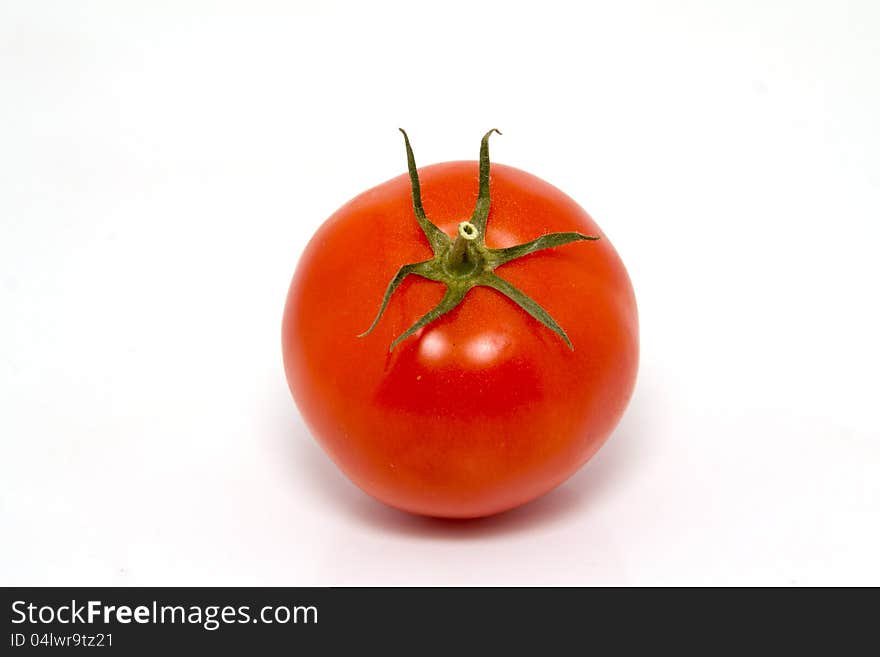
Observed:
{"x":163,"y":164}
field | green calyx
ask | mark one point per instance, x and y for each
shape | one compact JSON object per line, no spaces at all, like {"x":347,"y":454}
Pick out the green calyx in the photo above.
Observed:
{"x":466,"y":261}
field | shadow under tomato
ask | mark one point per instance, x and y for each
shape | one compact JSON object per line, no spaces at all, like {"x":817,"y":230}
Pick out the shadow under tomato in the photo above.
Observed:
{"x":608,"y":470}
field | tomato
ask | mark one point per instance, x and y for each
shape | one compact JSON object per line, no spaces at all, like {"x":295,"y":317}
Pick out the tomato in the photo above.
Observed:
{"x":487,"y":405}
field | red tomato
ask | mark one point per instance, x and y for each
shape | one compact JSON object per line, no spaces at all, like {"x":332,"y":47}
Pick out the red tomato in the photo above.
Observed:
{"x":485,"y":408}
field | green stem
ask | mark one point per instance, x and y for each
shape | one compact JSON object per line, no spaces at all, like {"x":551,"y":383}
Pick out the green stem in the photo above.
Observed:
{"x":463,"y":258}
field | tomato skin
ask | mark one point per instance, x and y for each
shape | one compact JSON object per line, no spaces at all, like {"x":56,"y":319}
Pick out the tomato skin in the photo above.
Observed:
{"x":484,"y":409}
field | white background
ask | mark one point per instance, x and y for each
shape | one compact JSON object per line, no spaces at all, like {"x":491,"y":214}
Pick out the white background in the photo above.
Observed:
{"x":162,"y":165}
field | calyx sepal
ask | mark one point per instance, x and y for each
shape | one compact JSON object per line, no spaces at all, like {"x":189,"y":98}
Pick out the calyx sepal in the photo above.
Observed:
{"x":466,"y":262}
